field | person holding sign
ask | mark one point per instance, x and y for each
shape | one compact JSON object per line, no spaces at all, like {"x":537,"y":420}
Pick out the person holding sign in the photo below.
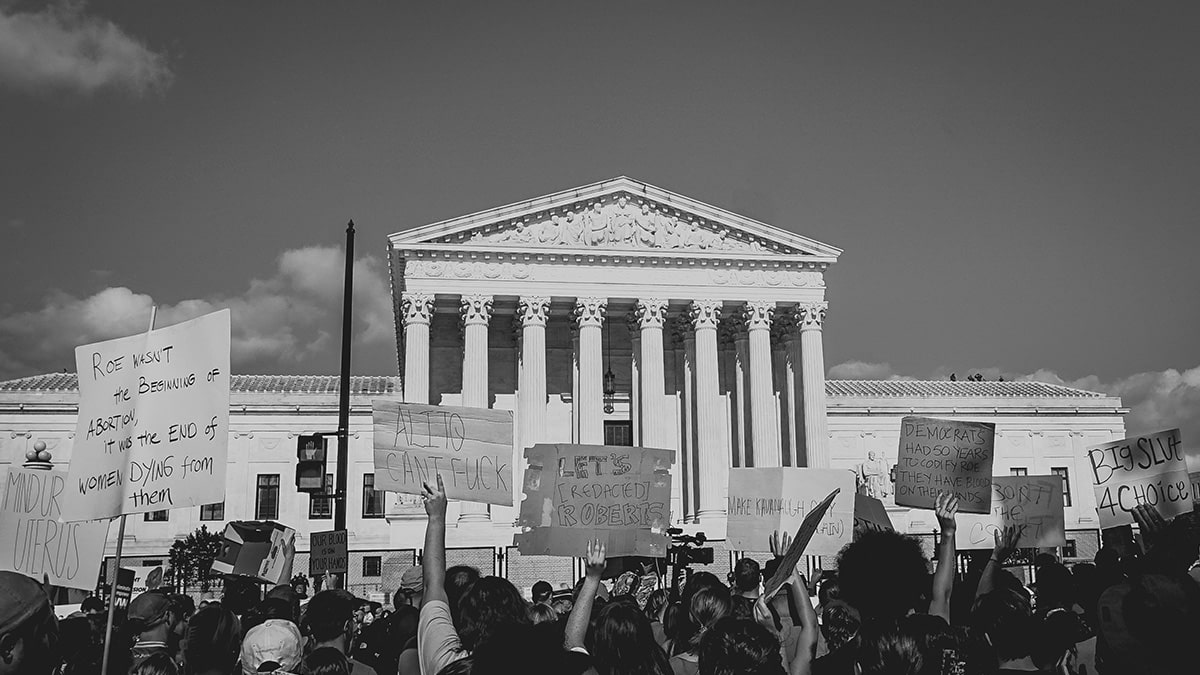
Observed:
{"x":943,"y":580}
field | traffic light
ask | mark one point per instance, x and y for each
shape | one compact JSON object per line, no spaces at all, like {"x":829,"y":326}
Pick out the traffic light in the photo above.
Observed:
{"x":310,"y":464}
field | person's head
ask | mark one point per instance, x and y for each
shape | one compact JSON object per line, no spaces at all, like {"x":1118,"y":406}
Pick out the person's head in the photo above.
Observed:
{"x":300,"y":585}
{"x":1052,"y":635}
{"x":153,"y":616}
{"x":158,"y":663}
{"x":656,"y":605}
{"x":326,"y":661}
{"x":487,"y":604}
{"x":517,"y":648}
{"x":285,"y":603}
{"x":707,"y":606}
{"x":1055,"y":587}
{"x":92,"y":605}
{"x":829,"y":589}
{"x":885,"y":649}
{"x":739,"y":647}
{"x":329,"y":617}
{"x":839,"y":624}
{"x":1006,"y":618}
{"x":622,"y":642}
{"x":273,"y":645}
{"x":540,"y":612}
{"x":28,"y":628}
{"x":747,"y":576}
{"x":412,"y":587}
{"x":213,"y":641}
{"x":882,"y":575}
{"x":542,"y":591}
{"x":458,"y":579}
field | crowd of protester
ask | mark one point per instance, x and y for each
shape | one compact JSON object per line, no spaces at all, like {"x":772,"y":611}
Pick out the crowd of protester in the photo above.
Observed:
{"x":881,"y":611}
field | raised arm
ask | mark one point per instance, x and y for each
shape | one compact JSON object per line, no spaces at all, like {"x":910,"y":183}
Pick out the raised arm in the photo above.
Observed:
{"x":581,"y":612}
{"x":802,"y":607}
{"x":943,"y":580}
{"x":1006,"y":542}
{"x":433,"y":559}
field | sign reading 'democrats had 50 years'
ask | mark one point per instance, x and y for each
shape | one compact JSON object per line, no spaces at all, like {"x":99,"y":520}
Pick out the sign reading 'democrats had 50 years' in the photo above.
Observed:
{"x":1033,"y":501}
{"x":153,"y":429}
{"x":1150,"y":470}
{"x":766,"y":500}
{"x":34,"y":542}
{"x":470,"y":447}
{"x":945,"y":456}
{"x":575,"y":493}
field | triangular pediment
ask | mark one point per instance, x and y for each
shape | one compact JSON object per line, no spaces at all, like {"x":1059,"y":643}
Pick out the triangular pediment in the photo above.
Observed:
{"x":620,"y":215}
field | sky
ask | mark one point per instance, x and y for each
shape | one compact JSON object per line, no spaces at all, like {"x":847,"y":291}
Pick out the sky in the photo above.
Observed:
{"x":1013,"y":184}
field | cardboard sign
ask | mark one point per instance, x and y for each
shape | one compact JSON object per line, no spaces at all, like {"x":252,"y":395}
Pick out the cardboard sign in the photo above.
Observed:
{"x":575,"y":493}
{"x":153,"y":429}
{"x":1138,"y":470}
{"x":948,"y":456}
{"x":34,"y":542}
{"x":870,"y":515}
{"x":254,"y":549}
{"x":1033,"y":501}
{"x":472,"y":449}
{"x":1191,"y":455}
{"x":796,"y":551}
{"x":328,"y":552}
{"x":769,"y":500}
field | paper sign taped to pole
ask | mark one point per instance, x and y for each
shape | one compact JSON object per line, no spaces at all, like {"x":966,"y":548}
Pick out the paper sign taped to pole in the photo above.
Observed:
{"x":1149,"y":469}
{"x":948,"y":456}
{"x":153,"y":429}
{"x":796,"y":551}
{"x":576,"y":493}
{"x":34,"y":542}
{"x":763,"y":501}
{"x":328,"y":552}
{"x":1035,"y":502}
{"x":471,"y":448}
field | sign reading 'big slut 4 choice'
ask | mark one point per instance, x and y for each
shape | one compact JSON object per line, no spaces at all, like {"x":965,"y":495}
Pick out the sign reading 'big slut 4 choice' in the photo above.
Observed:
{"x":1150,"y":470}
{"x":153,"y":429}
{"x":948,"y":456}
{"x":471,"y":448}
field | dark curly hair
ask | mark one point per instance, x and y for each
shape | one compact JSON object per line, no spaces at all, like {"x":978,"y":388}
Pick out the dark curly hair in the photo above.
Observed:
{"x":883,"y":575}
{"x":739,"y":647}
{"x":622,"y":642}
{"x":886,"y":649}
{"x":487,"y":604}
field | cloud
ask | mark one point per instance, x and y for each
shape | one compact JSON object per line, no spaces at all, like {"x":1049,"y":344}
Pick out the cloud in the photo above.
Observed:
{"x":60,"y":47}
{"x":862,"y":370}
{"x":289,"y":322}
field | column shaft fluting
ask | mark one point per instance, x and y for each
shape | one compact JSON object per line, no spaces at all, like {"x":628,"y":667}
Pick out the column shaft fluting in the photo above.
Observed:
{"x":531,"y":398}
{"x":418,"y":312}
{"x":656,"y":433}
{"x":476,"y":313}
{"x":764,"y":425}
{"x":589,"y":315}
{"x":711,"y":431}
{"x":816,"y":436}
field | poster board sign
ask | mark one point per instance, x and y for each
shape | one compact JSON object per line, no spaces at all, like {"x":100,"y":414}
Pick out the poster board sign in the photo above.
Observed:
{"x":254,"y":549}
{"x":35,"y":543}
{"x":575,"y":493}
{"x":1191,"y":455}
{"x":1033,"y":501}
{"x":328,"y":552}
{"x":870,"y":515}
{"x":796,"y":551}
{"x":472,"y":449}
{"x":763,"y":501}
{"x":945,"y":456}
{"x":1149,"y":469}
{"x":153,"y":429}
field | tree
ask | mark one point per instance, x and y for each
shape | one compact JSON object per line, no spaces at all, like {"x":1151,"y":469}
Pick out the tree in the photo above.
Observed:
{"x":191,"y":559}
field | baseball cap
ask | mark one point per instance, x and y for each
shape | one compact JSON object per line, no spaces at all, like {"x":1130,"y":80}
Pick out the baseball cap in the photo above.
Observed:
{"x":412,"y":581}
{"x":148,"y":609}
{"x":21,"y":599}
{"x":272,"y":641}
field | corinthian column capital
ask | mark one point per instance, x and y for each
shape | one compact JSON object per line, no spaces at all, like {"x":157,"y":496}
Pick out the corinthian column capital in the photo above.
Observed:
{"x":758,"y":314}
{"x":533,"y":310}
{"x":417,"y":307}
{"x":590,"y":312}
{"x":651,"y":313}
{"x":705,"y":313}
{"x":476,"y":309}
{"x":811,"y":316}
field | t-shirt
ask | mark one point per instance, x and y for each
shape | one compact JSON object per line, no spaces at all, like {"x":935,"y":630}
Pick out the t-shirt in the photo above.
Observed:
{"x":437,"y":641}
{"x":685,"y":664}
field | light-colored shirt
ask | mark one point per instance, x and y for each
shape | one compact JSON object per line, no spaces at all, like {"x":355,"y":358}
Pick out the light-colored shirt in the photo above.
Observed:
{"x":437,"y":641}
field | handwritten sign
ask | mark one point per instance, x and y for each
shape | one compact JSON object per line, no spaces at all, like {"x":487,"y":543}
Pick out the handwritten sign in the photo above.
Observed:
{"x":575,"y":493}
{"x":1192,"y":457}
{"x":870,"y":515}
{"x":327,"y":552}
{"x":1033,"y":501}
{"x":1148,"y":469}
{"x":153,"y":429}
{"x":34,"y":542}
{"x":470,"y":447}
{"x":945,"y":456}
{"x":804,"y":535}
{"x":767,"y":500}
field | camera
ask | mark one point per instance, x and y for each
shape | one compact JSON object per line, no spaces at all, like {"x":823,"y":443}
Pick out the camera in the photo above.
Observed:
{"x":688,"y":549}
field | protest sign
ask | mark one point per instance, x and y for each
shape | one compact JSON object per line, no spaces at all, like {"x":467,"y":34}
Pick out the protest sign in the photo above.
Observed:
{"x":869,"y":515}
{"x":254,"y":549}
{"x":575,"y":493}
{"x":1191,"y":455}
{"x":470,"y":447}
{"x":328,"y":552}
{"x":153,"y":429}
{"x":804,"y":534}
{"x":948,"y":456}
{"x":34,"y":542}
{"x":768,"y":500}
{"x":1149,"y":469}
{"x":1035,"y":502}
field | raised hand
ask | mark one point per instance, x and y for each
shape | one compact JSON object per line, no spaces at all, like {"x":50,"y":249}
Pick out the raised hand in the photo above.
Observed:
{"x":946,"y":509}
{"x":1006,"y":541}
{"x":435,"y":499}
{"x":780,"y":545}
{"x":595,"y":558}
{"x":1150,"y":523}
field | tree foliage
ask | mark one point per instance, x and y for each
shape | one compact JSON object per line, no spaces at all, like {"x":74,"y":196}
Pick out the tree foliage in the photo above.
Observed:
{"x":191,"y":560}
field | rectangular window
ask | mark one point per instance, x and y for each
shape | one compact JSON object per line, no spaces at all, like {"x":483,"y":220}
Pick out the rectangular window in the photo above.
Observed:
{"x":156,"y":516}
{"x":320,"y":506}
{"x":266,"y":502}
{"x":372,"y":566}
{"x":1019,"y":471}
{"x":212,"y":511}
{"x":618,"y":432}
{"x":372,"y":498}
{"x":1068,"y":550}
{"x":1066,"y":476}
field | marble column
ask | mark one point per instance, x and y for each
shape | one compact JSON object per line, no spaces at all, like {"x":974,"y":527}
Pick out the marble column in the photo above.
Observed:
{"x":816,"y":436}
{"x":691,"y":436}
{"x":795,"y":390}
{"x":531,"y":397}
{"x":476,"y":312}
{"x":779,"y":385}
{"x":711,"y":432}
{"x":418,"y":311}
{"x":741,"y":375}
{"x":589,"y":316}
{"x":764,"y":426}
{"x":656,"y":432}
{"x":732,"y":421}
{"x":635,"y":377}
{"x":574,"y":382}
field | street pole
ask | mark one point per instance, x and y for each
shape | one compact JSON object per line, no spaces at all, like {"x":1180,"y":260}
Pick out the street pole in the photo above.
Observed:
{"x":343,"y":432}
